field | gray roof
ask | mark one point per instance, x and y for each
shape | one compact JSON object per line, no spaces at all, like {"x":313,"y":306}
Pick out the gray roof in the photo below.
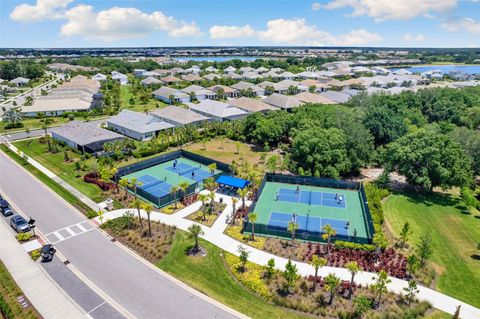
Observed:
{"x":242,"y":85}
{"x":338,"y":97}
{"x":138,"y":122}
{"x":150,"y":80}
{"x":19,"y":80}
{"x":282,"y":101}
{"x":217,"y":109}
{"x":251,"y":105}
{"x":166,"y":92}
{"x":83,"y":133}
{"x":179,"y":115}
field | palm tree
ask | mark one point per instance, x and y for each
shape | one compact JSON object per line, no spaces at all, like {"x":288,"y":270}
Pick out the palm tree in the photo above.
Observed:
{"x":212,"y":168}
{"x":45,"y":128}
{"x":317,"y":263}
{"x":327,"y":236}
{"x":184,"y":187}
{"x":174,"y":191}
{"x":194,"y":232}
{"x":137,"y":203}
{"x":113,"y":172}
{"x":147,"y":207}
{"x":171,"y":98}
{"x":252,"y":218}
{"x":354,"y":268}
{"x":292,"y":228}
{"x":331,"y":284}
{"x":133,"y":184}
{"x":124,"y":183}
{"x":234,"y":208}
{"x":242,"y":192}
{"x":203,"y":198}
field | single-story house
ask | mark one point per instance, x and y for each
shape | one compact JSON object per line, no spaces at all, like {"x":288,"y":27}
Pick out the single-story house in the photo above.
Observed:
{"x":99,"y":77}
{"x":261,"y":69}
{"x":211,"y":69}
{"x":234,"y":76}
{"x":251,"y":105}
{"x":200,"y":92}
{"x":307,"y":97}
{"x":137,"y":125}
{"x":165,"y":93}
{"x":308,"y":75}
{"x":211,"y":76}
{"x":335,"y":96}
{"x":284,"y":102}
{"x":287,"y":75}
{"x":150,"y":81}
{"x":245,"y":86}
{"x":246,"y":69}
{"x":177,"y":71}
{"x":227,"y":91}
{"x":120,"y":77}
{"x":168,"y":80}
{"x":229,"y":69}
{"x":20,"y":81}
{"x":218,"y":111}
{"x":191,"y":78}
{"x":85,"y":137}
{"x":179,"y":116}
{"x":158,"y":73}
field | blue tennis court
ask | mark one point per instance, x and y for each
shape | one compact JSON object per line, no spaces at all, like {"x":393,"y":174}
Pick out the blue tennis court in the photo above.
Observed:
{"x":279,"y":222}
{"x":186,"y":170}
{"x":154,"y":186}
{"x":308,"y":197}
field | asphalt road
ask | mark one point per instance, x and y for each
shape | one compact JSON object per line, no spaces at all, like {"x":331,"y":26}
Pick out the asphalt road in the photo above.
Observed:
{"x":140,"y":290}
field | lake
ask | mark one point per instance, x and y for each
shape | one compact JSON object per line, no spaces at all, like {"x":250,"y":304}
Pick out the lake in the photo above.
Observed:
{"x":215,"y":58}
{"x":469,"y":69}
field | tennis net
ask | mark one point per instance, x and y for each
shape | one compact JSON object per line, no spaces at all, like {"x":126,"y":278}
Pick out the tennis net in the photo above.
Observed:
{"x":189,"y":170}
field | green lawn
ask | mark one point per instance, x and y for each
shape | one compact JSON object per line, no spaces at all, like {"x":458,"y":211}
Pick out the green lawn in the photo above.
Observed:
{"x":9,"y":291}
{"x":35,"y":123}
{"x":454,"y":237}
{"x":209,"y":275}
{"x":57,"y":165}
{"x":126,"y":94}
{"x":62,"y":192}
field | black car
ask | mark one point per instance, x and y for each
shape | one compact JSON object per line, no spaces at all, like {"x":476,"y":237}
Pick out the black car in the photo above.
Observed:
{"x":3,"y":204}
{"x":19,"y":224}
{"x":47,"y":252}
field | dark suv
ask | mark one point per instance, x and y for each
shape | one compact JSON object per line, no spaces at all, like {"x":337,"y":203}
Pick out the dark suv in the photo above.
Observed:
{"x":19,"y":224}
{"x":5,"y":208}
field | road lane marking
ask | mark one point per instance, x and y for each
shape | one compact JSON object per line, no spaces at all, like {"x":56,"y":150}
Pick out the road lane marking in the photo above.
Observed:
{"x":69,"y":231}
{"x":97,"y":307}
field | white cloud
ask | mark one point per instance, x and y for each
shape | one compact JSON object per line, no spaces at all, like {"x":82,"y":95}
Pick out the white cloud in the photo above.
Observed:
{"x":226,"y":32}
{"x":42,"y":10}
{"x":295,"y":32}
{"x":316,"y":6}
{"x":468,"y":24}
{"x":413,"y":37}
{"x":382,"y":10}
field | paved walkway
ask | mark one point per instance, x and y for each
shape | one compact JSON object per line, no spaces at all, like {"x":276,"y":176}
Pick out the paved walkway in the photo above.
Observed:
{"x":216,"y":236}
{"x":49,"y":300}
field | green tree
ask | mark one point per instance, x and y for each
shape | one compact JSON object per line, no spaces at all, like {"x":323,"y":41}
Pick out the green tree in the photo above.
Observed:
{"x":290,"y":274}
{"x":385,"y":125}
{"x":411,"y":291}
{"x":124,"y":183}
{"x":195,"y":231}
{"x":468,"y":198}
{"x":331,"y":283}
{"x":412,"y":264}
{"x":184,"y":187}
{"x":404,"y":233}
{"x":242,"y":192}
{"x":12,"y":118}
{"x":292,"y":228}
{"x":252,"y":218}
{"x":328,"y":233}
{"x":424,"y":249}
{"x":317,"y":263}
{"x":212,"y":168}
{"x":429,"y":159}
{"x":353,"y":267}
{"x":173,"y":191}
{"x":234,"y":209}
{"x":362,"y":304}
{"x":380,"y":286}
{"x":244,"y":254}
{"x":456,"y":314}
{"x":138,"y":204}
{"x":270,"y":268}
{"x":203,"y":198}
{"x":147,"y":207}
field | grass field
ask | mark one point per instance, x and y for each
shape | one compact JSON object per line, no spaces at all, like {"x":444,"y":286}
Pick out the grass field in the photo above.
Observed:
{"x":126,"y":94}
{"x":454,"y":237}
{"x":209,"y":275}
{"x":57,"y":165}
{"x":10,"y":291}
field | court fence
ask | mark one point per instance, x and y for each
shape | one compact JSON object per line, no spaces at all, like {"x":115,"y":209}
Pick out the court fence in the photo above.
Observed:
{"x":171,"y":197}
{"x":263,"y":229}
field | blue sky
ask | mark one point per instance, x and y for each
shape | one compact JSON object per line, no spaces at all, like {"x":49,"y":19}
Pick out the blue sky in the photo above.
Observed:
{"x":84,"y":23}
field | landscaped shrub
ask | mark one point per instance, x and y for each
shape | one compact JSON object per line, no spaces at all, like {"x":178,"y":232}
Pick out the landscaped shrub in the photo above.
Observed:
{"x":94,"y":178}
{"x":375,"y":195}
{"x":346,"y":244}
{"x":35,"y":254}
{"x":21,"y":237}
{"x":92,"y":214}
{"x":5,"y":309}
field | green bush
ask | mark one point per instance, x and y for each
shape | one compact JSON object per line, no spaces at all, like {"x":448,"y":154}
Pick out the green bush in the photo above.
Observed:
{"x":5,"y":309}
{"x":21,"y":237}
{"x":35,"y":254}
{"x":375,"y":195}
{"x":91,"y":214}
{"x":350,"y":245}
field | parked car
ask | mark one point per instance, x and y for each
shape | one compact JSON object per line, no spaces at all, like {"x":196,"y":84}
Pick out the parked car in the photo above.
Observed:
{"x":3,"y":204}
{"x":47,"y":252}
{"x":19,"y":224}
{"x":7,"y":212}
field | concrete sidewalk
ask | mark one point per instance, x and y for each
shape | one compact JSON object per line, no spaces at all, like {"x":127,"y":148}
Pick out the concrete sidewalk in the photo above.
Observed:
{"x":216,"y":236}
{"x":49,"y":300}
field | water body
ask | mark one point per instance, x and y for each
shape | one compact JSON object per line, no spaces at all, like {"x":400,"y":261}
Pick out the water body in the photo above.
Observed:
{"x":469,"y":69}
{"x":216,"y":58}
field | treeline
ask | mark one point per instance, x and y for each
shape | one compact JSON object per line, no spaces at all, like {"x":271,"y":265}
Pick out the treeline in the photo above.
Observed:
{"x":10,"y":70}
{"x":431,"y":136}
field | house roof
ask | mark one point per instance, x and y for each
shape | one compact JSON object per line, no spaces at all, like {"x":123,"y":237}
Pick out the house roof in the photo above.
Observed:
{"x":191,"y":77}
{"x":215,"y":108}
{"x":179,"y":115}
{"x":83,"y":133}
{"x":138,"y":122}
{"x":226,"y":89}
{"x":282,"y":101}
{"x":338,"y":97}
{"x":251,"y":105}
{"x":308,"y":97}
{"x":170,"y":78}
{"x":150,"y":80}
{"x":19,"y":80}
{"x":57,"y":104}
{"x":165,"y":92}
{"x":242,"y":85}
